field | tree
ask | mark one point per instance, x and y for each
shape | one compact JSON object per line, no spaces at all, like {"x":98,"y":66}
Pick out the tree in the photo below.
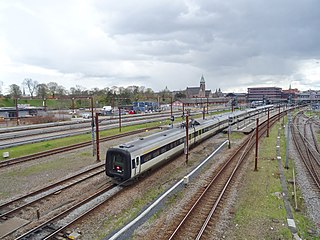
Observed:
{"x":61,"y":91}
{"x":15,"y":91}
{"x":78,"y":91}
{"x":179,"y":95}
{"x":1,"y":83}
{"x":52,"y":87}
{"x":31,"y":85}
{"x":42,"y":90}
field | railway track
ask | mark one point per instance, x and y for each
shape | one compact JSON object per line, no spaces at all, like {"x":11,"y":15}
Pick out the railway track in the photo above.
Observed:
{"x":55,"y":225}
{"x":305,"y":144}
{"x":15,"y":161}
{"x":203,"y":212}
{"x":26,"y":205}
{"x":27,"y":136}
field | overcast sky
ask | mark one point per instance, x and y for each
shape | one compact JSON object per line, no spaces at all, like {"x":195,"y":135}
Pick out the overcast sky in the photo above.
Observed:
{"x":235,"y":44}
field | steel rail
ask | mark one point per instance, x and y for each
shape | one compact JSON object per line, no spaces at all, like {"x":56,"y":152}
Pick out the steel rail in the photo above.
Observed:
{"x":14,"y":161}
{"x":46,"y":189}
{"x":306,"y":161}
{"x":30,"y":234}
{"x":245,"y":147}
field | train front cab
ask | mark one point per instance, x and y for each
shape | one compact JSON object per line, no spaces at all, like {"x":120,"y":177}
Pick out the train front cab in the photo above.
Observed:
{"x":118,"y":164}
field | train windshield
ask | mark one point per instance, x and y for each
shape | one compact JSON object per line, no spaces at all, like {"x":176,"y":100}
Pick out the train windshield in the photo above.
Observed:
{"x":117,"y":161}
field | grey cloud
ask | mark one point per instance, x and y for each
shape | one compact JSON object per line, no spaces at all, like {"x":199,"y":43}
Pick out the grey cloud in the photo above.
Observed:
{"x":233,"y":43}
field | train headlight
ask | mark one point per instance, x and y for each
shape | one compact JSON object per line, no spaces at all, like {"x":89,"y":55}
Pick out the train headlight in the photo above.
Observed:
{"x":118,"y":169}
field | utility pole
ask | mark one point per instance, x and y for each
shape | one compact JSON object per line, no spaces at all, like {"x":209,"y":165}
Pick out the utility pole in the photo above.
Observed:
{"x":119,"y":118}
{"x":257,"y":145}
{"x":229,"y":131}
{"x":203,"y":113}
{"x":288,"y":135}
{"x":268,"y":122}
{"x":97,"y":137}
{"x":17,"y":112}
{"x":92,"y":126}
{"x":186,"y":150}
{"x":171,"y":105}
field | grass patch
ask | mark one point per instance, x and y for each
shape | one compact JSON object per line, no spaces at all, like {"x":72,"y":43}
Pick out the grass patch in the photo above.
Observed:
{"x":36,"y":169}
{"x":51,"y":144}
{"x":129,"y":214}
{"x":260,"y":214}
{"x":28,"y":149}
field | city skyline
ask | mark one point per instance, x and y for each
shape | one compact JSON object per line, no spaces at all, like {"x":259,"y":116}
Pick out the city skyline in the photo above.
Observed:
{"x":234,"y":44}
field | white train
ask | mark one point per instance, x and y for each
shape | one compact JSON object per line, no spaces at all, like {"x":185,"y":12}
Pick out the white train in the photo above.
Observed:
{"x":129,"y":160}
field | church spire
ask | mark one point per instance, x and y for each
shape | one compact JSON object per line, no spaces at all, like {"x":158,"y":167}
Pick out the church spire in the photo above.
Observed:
{"x":202,"y":79}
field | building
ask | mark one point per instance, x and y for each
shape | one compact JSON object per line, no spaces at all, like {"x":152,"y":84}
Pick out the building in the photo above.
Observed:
{"x":198,"y":92}
{"x":200,"y":102}
{"x":272,"y":94}
{"x":292,"y":93}
{"x":309,"y":96}
{"x":237,"y":98}
{"x":23,"y":112}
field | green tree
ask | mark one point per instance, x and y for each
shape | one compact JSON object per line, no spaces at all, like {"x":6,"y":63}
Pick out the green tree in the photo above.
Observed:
{"x":14,"y":91}
{"x":42,"y":90}
{"x":52,"y":88}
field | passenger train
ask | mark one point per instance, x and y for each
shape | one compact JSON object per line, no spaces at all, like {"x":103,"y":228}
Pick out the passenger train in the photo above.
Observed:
{"x":129,"y":160}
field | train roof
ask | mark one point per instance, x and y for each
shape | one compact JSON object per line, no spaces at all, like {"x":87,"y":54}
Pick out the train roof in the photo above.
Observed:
{"x":163,"y":135}
{"x":171,"y":132}
{"x":152,"y":139}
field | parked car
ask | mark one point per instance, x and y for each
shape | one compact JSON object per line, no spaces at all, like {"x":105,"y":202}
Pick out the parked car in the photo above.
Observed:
{"x":86,"y":115}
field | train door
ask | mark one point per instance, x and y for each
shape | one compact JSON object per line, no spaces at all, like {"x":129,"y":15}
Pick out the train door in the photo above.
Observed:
{"x":138,"y":166}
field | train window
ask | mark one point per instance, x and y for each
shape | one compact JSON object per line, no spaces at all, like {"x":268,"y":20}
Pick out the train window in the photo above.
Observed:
{"x":156,"y":153}
{"x":137,"y":161}
{"x":163,"y":149}
{"x":117,"y":162}
{"x":146,"y":158}
{"x":133,"y":164}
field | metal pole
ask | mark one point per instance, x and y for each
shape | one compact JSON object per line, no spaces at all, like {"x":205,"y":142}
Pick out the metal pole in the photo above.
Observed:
{"x":229,"y":131}
{"x":257,"y":144}
{"x":187,"y":137}
{"x":182,"y":109}
{"x":17,"y":112}
{"x":97,"y":138}
{"x":268,"y":123}
{"x":92,"y":127}
{"x":119,"y":119}
{"x":288,"y":140}
{"x":171,"y":106}
{"x":207,"y":105}
{"x":203,"y":113}
{"x":72,"y":105}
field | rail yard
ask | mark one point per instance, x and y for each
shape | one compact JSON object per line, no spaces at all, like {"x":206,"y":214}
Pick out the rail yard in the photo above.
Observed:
{"x":65,"y":193}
